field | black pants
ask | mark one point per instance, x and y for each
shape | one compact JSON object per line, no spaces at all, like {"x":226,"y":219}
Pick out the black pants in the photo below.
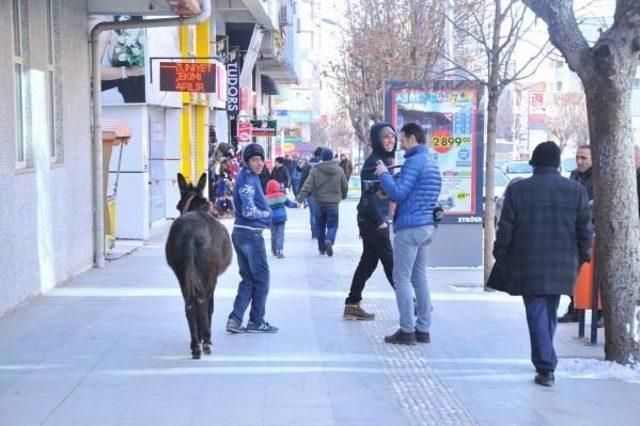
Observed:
{"x":376,"y":244}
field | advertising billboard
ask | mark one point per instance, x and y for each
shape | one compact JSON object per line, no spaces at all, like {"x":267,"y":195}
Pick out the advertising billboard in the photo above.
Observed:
{"x":451,"y":114}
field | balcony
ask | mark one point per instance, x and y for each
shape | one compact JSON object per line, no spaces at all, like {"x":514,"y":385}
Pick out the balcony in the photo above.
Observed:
{"x":263,"y":12}
{"x":144,"y":7}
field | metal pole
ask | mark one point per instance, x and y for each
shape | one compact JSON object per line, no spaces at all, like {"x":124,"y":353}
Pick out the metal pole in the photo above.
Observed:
{"x":96,"y":86}
{"x":594,"y":300}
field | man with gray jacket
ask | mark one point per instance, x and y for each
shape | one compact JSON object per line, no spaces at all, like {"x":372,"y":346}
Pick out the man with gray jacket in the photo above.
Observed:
{"x":415,"y":192}
{"x":328,"y":185}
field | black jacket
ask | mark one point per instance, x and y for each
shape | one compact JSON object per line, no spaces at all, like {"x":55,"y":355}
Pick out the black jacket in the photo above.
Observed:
{"x":281,"y":175}
{"x":586,"y":179}
{"x":544,"y":234}
{"x":374,"y":203}
{"x":306,"y":169}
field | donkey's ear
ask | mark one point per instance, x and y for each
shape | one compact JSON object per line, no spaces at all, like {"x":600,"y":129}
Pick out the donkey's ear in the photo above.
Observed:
{"x":182,"y":183}
{"x":201,"y":183}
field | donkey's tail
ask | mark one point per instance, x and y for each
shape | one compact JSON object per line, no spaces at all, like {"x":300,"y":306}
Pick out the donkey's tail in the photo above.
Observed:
{"x":193,"y":283}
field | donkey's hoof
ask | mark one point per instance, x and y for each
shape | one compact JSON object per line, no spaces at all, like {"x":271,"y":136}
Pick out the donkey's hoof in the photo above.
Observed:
{"x":195,"y":354}
{"x":206,"y":348}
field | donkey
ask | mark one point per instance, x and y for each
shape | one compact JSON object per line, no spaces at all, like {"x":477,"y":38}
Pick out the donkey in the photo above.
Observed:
{"x":198,"y":250}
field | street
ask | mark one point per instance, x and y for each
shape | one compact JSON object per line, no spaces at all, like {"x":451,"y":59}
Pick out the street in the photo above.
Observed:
{"x":111,"y":347}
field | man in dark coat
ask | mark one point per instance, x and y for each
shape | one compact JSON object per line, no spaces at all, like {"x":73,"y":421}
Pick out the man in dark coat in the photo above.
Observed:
{"x":346,"y":165}
{"x":280,"y":173}
{"x":311,"y":202}
{"x":584,"y":176}
{"x":544,"y":235}
{"x":373,"y":220}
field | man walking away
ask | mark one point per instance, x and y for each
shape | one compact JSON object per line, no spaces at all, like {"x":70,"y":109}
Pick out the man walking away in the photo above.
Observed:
{"x":328,"y":185}
{"x":584,"y":176}
{"x":543,"y":237}
{"x":252,"y":216}
{"x":373,"y":221}
{"x":415,"y":191}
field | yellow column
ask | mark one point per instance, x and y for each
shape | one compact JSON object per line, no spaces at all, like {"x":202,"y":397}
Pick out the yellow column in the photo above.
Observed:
{"x":185,"y":133}
{"x":202,"y":110}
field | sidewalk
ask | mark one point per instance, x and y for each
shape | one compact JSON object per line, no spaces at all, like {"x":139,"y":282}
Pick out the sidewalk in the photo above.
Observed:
{"x":111,"y":347}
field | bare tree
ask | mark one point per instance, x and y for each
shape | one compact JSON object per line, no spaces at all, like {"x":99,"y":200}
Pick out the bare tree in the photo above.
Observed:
{"x":486,"y":37}
{"x":567,"y":119}
{"x":334,"y":132}
{"x":384,"y":40}
{"x":606,"y":70}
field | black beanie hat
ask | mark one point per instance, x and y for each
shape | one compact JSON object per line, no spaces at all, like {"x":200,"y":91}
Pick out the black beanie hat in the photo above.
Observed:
{"x":318,"y":151}
{"x":252,"y":150}
{"x":547,"y":154}
{"x":327,"y":154}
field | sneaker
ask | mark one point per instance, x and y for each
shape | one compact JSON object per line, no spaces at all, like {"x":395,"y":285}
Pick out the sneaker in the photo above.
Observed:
{"x":329,"y":249}
{"x":401,"y":338}
{"x":355,"y":312}
{"x":265,"y":327}
{"x":234,"y":327}
{"x":423,"y":337}
{"x":570,"y":316}
{"x":545,"y":378}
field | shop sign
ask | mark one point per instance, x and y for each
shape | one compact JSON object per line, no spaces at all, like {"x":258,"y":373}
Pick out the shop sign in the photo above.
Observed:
{"x":233,"y":85}
{"x":264,"y":127}
{"x":187,"y":77}
{"x":244,"y":132}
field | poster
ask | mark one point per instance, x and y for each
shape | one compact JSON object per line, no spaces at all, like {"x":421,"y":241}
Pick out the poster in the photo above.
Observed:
{"x":123,"y":58}
{"x":450,"y":113}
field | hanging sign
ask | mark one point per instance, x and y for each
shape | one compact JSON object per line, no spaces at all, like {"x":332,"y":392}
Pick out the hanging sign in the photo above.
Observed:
{"x":233,"y":84}
{"x":264,"y":127}
{"x":187,"y":77}
{"x":244,"y":132}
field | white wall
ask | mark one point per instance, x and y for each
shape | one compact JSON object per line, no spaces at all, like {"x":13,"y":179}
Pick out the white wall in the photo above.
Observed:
{"x":46,"y":210}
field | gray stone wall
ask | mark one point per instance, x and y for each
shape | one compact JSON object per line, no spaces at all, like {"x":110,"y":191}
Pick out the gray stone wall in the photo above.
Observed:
{"x":46,"y":208}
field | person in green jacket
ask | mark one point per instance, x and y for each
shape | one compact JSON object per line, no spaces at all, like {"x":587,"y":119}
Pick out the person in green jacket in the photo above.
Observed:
{"x":328,"y":185}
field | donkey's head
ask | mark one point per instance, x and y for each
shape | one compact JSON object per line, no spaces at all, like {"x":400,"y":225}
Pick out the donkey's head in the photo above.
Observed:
{"x":191,"y":197}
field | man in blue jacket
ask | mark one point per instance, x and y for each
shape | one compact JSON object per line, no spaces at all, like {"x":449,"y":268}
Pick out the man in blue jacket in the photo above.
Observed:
{"x":415,"y":192}
{"x":252,"y":215}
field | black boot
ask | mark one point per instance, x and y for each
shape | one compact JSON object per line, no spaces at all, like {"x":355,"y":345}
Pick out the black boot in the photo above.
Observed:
{"x":545,"y":378}
{"x":401,"y":338}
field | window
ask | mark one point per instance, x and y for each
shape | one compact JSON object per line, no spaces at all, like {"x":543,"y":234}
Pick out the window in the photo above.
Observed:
{"x":19,"y":83}
{"x":558,"y":86}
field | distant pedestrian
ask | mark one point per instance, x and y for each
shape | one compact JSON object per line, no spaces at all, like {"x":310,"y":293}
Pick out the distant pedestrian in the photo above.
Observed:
{"x":347,"y":165}
{"x":296,"y":176}
{"x":252,"y":216}
{"x":281,"y":174}
{"x":373,"y":221}
{"x":415,"y":192}
{"x":543,"y":237}
{"x":264,"y":177}
{"x":278,"y":202}
{"x":328,"y":185}
{"x":306,"y":170}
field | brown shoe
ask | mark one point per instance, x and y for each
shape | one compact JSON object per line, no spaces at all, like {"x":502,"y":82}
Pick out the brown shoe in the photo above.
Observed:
{"x":355,"y":312}
{"x":423,"y":337}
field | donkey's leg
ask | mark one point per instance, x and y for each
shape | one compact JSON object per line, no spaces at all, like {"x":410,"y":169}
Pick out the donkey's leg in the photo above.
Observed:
{"x":204,"y":332}
{"x":191,"y":309}
{"x":206,"y":342}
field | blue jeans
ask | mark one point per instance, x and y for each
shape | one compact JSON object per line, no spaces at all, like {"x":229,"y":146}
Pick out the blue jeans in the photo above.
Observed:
{"x":312,"y":215}
{"x":326,"y":224}
{"x":410,"y":270}
{"x":277,"y":237}
{"x":254,"y":271}
{"x":542,"y":321}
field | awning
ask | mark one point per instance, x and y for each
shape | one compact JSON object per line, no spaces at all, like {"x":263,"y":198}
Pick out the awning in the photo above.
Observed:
{"x":115,"y":132}
{"x":268,"y":85}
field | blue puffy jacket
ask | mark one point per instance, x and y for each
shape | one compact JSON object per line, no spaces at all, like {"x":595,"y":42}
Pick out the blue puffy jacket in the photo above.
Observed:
{"x":249,"y":201}
{"x":415,"y":190}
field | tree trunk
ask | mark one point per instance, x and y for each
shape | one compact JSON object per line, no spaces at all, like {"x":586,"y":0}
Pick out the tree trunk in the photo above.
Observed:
{"x":616,"y":214}
{"x":489,"y":191}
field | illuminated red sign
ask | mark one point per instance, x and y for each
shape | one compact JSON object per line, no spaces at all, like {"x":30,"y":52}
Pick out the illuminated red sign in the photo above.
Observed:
{"x":187,"y":77}
{"x":244,"y":132}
